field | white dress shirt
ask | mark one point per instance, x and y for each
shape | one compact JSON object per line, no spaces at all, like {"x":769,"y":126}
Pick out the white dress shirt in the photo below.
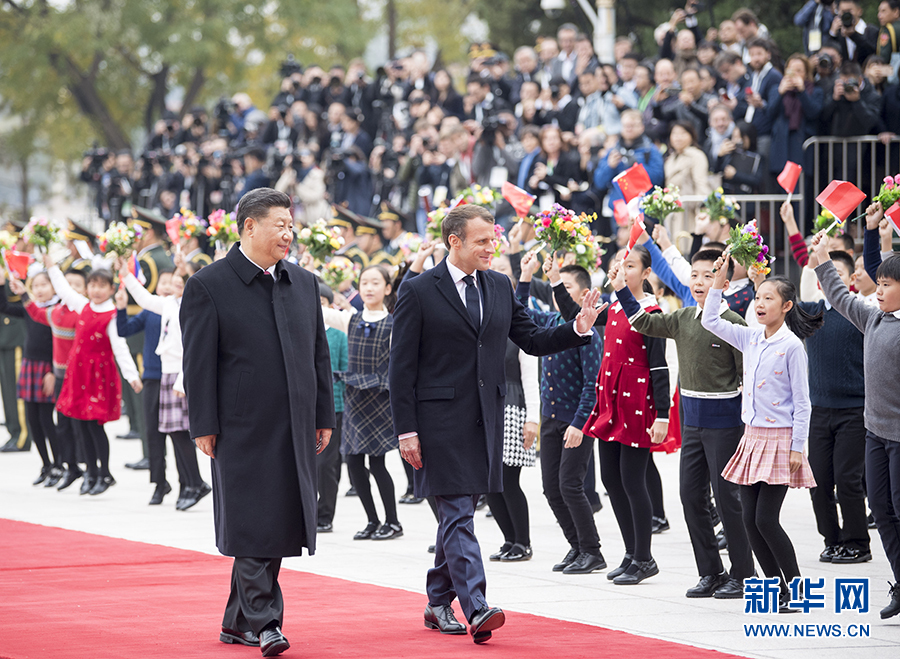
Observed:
{"x":458,"y":276}
{"x":270,"y":270}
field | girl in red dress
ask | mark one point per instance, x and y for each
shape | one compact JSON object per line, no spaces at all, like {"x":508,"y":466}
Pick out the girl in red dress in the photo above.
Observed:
{"x":630,"y":416}
{"x":91,"y":393}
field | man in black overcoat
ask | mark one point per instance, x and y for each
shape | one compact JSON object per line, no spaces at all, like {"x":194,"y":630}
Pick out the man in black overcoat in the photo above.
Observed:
{"x":448,"y":387}
{"x":258,"y":380}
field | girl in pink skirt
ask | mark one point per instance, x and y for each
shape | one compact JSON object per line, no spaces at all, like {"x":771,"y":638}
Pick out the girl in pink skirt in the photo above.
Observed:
{"x":776,"y":411}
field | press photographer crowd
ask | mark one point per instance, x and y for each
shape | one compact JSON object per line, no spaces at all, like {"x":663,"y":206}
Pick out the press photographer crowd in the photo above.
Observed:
{"x":762,"y":382}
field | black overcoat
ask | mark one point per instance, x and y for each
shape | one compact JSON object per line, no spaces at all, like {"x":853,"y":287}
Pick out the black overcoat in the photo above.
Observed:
{"x":448,"y":382}
{"x":258,"y":375}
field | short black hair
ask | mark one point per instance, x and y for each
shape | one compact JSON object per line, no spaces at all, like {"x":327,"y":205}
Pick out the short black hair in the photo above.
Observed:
{"x":637,"y":58}
{"x":102,"y":275}
{"x":581,"y":275}
{"x":844,"y":258}
{"x":256,"y":152}
{"x":889,"y":268}
{"x":851,"y":69}
{"x":257,"y":203}
{"x":849,"y":243}
{"x":711,"y":255}
{"x":760,"y":42}
{"x":458,"y":219}
{"x":80,"y":273}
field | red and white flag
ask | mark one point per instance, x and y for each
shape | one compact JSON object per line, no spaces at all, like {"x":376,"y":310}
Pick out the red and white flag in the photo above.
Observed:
{"x":892,"y":215}
{"x":636,"y":230}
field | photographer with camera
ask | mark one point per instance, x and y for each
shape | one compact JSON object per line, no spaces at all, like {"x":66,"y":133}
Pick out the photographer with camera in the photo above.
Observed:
{"x":854,"y":39}
{"x":556,"y":107}
{"x":816,"y":19}
{"x":853,"y":107}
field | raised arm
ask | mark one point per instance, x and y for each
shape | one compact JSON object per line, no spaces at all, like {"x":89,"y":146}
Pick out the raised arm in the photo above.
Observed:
{"x":75,"y":301}
{"x":144,"y":298}
{"x":649,"y":324}
{"x":736,"y":335}
{"x":662,"y":270}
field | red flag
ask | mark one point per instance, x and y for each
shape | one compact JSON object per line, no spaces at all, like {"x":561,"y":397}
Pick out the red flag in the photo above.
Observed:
{"x":789,"y":176}
{"x":520,"y":200}
{"x":893,"y":216}
{"x":633,"y":182}
{"x":17,"y":263}
{"x":636,"y":230}
{"x":172,"y":227}
{"x":620,"y":212}
{"x":840,"y":198}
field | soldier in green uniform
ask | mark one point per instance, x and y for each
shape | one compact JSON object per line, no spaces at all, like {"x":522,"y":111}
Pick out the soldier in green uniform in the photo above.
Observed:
{"x":195,"y":250}
{"x":392,"y":223}
{"x":349,"y":222}
{"x":81,"y":243}
{"x":12,"y":338}
{"x":889,"y":34}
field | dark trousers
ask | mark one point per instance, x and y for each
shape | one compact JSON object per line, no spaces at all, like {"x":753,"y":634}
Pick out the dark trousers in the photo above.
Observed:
{"x":328,"y":466}
{"x":563,"y":473}
{"x":883,"y":484}
{"x":623,"y":470}
{"x":96,"y":447}
{"x":655,"y":489}
{"x":43,"y":430}
{"x":66,"y":438}
{"x":458,"y":570}
{"x":837,"y":455}
{"x":13,"y":408}
{"x":704,"y":454}
{"x":255,"y":601}
{"x":184,"y":449}
{"x":135,"y":411}
{"x":510,"y":508}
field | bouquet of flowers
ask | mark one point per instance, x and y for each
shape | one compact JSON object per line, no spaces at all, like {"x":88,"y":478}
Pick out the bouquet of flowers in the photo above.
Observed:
{"x":825,"y":220}
{"x":719,"y":207}
{"x":7,"y":242}
{"x":659,"y":202}
{"x":745,"y":246}
{"x":189,"y":225}
{"x":435,"y":220}
{"x":588,"y":253}
{"x":410,"y":243}
{"x":222,"y":228}
{"x":337,"y":271}
{"x":560,"y":229}
{"x":320,"y":240}
{"x":478,"y":196}
{"x":889,"y":193}
{"x":41,"y":233}
{"x":119,"y":238}
{"x":501,"y":244}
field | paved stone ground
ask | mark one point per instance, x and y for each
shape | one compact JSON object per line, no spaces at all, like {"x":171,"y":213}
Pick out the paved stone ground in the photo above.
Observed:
{"x":654,"y":608}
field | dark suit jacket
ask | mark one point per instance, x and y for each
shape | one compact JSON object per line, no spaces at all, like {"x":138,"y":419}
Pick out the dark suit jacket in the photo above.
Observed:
{"x":257,"y":374}
{"x":448,"y":382}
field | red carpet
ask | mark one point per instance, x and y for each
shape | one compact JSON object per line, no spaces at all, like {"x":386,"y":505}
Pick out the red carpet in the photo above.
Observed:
{"x":72,"y":595}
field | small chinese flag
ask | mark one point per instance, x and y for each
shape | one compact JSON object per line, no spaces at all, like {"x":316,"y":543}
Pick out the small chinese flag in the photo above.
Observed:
{"x":636,"y":230}
{"x":840,"y":198}
{"x":520,"y":200}
{"x":17,"y":263}
{"x":172,"y":227}
{"x":893,"y":216}
{"x":633,"y":182}
{"x":789,"y":176}
{"x":620,"y":212}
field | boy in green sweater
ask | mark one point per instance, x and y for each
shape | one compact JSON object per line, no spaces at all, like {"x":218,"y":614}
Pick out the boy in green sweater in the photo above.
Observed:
{"x":710,"y":377}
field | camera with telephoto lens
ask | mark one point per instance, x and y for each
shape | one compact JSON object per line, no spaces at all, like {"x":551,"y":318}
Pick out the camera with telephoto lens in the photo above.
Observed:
{"x":847,"y":19}
{"x":851,"y":85}
{"x":289,"y":66}
{"x":825,"y":62}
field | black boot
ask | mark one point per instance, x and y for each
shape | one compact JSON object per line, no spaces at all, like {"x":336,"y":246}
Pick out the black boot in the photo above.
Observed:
{"x":893,"y":608}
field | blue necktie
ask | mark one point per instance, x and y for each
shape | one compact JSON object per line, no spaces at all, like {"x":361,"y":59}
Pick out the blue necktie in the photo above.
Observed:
{"x":472,"y":303}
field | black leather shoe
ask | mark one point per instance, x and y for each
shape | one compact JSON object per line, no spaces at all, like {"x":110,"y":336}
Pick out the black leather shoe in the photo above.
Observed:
{"x":500,"y":554}
{"x":351,"y":492}
{"x":870,"y":518}
{"x":783,"y":603}
{"x":441,"y":617}
{"x":192,"y":496}
{"x":54,"y":477}
{"x":143,"y":463}
{"x":272,"y":642}
{"x":643,"y":570}
{"x":722,"y":540}
{"x":44,"y":475}
{"x":102,"y":485}
{"x":482,"y":502}
{"x":612,"y":574}
{"x":69,"y":477}
{"x":567,"y":560}
{"x":241,"y":638}
{"x":162,"y":489}
{"x":585,"y":564}
{"x":388,"y":532}
{"x":12,"y":446}
{"x":366,"y":533}
{"x":730,"y":590}
{"x":893,"y":608}
{"x":659,"y":524}
{"x":431,"y":549}
{"x":484,"y":621}
{"x":131,"y":434}
{"x":518,"y":553}
{"x":852,"y":555}
{"x":829,"y":553}
{"x":707,"y":585}
{"x":87,"y":484}
{"x":324,"y":528}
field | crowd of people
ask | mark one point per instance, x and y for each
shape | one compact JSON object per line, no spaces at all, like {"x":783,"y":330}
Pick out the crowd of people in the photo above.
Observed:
{"x":745,"y":375}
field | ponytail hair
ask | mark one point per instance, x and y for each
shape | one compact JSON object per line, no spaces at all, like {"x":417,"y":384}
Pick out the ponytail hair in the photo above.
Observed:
{"x":801,"y":322}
